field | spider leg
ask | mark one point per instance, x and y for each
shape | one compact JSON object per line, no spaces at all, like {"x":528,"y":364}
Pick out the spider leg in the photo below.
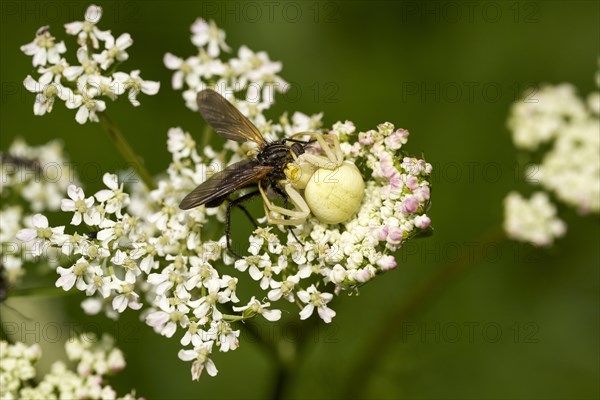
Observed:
{"x":296,"y":216}
{"x":280,"y":192}
{"x":332,"y":151}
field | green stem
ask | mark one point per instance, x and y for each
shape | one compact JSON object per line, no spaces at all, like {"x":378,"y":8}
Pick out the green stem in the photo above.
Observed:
{"x":126,"y":151}
{"x":288,"y":360}
{"x":379,"y":343}
{"x":250,"y":328}
{"x":231,"y":318}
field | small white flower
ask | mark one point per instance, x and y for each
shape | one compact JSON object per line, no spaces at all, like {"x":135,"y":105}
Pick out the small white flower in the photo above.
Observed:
{"x":114,"y":197}
{"x":47,"y":92}
{"x":256,"y":67}
{"x":127,"y":296}
{"x":41,"y":233}
{"x":227,"y":338}
{"x":53,"y":72}
{"x":73,"y":276}
{"x":165,"y":280}
{"x":98,"y":283}
{"x":207,"y":305}
{"x":229,"y":284}
{"x":87,"y":105}
{"x":87,"y":29}
{"x":185,"y":70}
{"x":264,"y":274}
{"x":200,"y":356}
{"x":313,"y":298}
{"x":166,"y":319}
{"x":88,"y":66}
{"x":115,"y":50}
{"x":43,"y":48}
{"x":255,"y":307}
{"x":101,"y":85}
{"x":208,"y":34}
{"x":134,"y":84}
{"x":79,"y":204}
{"x":283,"y":289}
{"x":128,"y":263}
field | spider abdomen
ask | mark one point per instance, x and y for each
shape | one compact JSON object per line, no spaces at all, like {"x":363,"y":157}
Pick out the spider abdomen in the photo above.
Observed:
{"x":333,"y":196}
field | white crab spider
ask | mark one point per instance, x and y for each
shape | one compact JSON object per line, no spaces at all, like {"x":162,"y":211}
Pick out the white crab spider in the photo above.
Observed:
{"x":333,"y":188}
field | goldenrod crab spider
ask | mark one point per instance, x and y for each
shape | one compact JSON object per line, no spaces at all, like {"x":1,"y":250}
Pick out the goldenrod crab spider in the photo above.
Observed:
{"x":333,"y":188}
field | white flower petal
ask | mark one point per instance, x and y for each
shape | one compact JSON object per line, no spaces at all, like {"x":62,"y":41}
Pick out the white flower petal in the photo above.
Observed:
{"x":326,"y":313}
{"x":272,"y":315}
{"x":31,"y":84}
{"x":307,"y":311}
{"x":211,"y":369}
{"x":82,"y":115}
{"x":73,"y":28}
{"x":40,"y":221}
{"x":26,"y":235}
{"x":171,"y":61}
{"x":150,"y":87}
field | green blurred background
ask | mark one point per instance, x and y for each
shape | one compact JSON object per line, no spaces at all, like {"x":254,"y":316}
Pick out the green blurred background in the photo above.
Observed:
{"x":513,"y":322}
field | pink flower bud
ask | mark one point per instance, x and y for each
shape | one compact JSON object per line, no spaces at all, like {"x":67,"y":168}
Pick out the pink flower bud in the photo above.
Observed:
{"x":394,"y":235}
{"x":380,"y":234}
{"x":412,"y":182}
{"x":366,"y":138}
{"x":422,"y":221}
{"x":387,"y":263}
{"x":410,"y":205}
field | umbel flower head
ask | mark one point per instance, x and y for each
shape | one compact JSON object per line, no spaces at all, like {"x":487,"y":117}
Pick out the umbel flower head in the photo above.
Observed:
{"x":93,"y":76}
{"x":33,"y":179}
{"x":130,"y":248}
{"x":569,"y":168}
{"x":95,"y":358}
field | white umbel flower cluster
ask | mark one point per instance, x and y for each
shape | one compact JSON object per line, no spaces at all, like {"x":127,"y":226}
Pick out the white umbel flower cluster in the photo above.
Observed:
{"x":249,"y":80}
{"x":567,"y":128}
{"x":532,"y":220}
{"x":539,"y":118}
{"x":140,"y":251}
{"x":84,"y":84}
{"x":32,"y":179}
{"x":96,"y":360}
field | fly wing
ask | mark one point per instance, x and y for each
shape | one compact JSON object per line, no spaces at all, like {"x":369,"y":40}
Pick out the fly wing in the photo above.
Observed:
{"x":227,"y":120}
{"x":221,"y":184}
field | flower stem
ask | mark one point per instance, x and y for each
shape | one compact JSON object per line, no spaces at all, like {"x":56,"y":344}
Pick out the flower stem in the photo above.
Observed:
{"x":379,"y":343}
{"x":126,"y":151}
{"x":288,"y":359}
{"x":229,"y":317}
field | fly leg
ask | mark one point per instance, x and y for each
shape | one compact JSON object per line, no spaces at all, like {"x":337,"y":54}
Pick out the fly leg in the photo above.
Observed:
{"x":236,"y":203}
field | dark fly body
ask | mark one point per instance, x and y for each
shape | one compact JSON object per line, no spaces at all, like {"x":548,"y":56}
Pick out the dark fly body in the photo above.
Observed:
{"x":266,"y":169}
